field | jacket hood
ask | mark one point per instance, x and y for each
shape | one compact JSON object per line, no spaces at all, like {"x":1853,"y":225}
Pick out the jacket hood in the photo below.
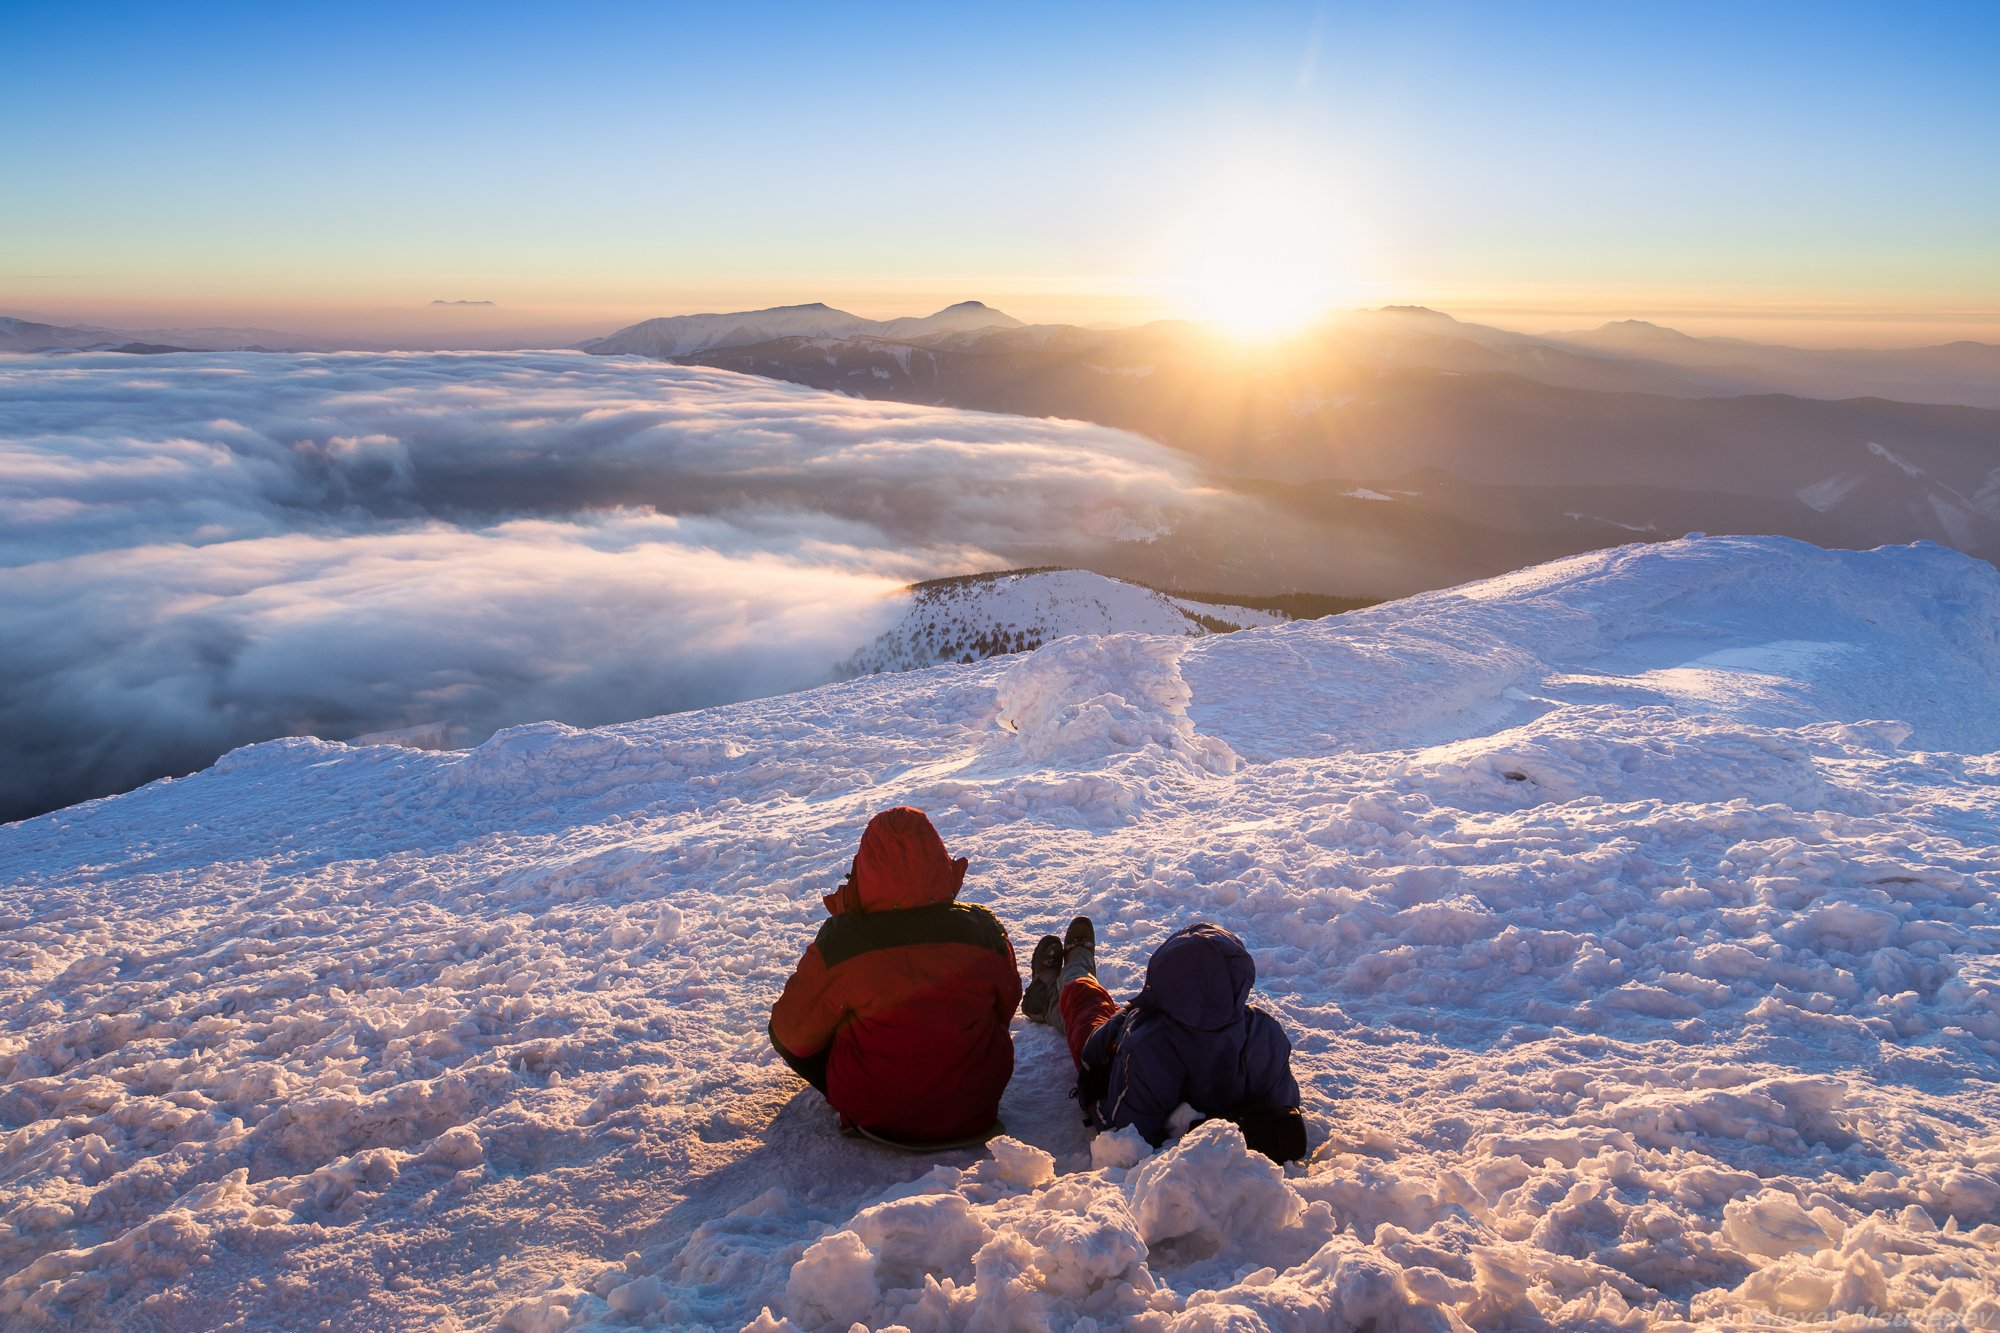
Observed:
{"x":902,"y":863}
{"x":1200,"y":978}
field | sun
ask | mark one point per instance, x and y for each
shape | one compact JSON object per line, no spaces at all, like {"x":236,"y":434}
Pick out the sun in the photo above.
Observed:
{"x":1258,"y":269}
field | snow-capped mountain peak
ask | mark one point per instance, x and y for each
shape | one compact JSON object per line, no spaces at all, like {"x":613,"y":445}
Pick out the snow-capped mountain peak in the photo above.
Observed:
{"x":681,"y":335}
{"x":684,"y":335}
{"x":965,"y":317}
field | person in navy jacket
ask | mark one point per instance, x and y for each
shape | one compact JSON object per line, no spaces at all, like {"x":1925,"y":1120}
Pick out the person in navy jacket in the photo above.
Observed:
{"x":1191,"y":1036}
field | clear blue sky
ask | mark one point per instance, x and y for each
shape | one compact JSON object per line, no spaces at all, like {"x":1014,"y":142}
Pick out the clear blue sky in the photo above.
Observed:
{"x":667,"y":157}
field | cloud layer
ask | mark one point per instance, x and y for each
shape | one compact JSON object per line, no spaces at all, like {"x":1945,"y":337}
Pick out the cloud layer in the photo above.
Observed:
{"x":198,"y":552}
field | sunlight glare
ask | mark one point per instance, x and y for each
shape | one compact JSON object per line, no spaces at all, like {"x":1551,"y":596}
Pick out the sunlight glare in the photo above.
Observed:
{"x":1261,"y":268}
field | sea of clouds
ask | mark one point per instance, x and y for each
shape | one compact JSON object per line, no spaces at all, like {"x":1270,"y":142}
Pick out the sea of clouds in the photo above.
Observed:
{"x":201,"y":551}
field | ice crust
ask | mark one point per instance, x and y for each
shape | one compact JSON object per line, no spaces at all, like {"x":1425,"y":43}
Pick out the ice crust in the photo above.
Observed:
{"x":1635,"y":918}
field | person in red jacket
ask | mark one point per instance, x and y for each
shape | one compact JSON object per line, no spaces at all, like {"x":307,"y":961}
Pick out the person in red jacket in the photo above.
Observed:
{"x":899,"y":1010}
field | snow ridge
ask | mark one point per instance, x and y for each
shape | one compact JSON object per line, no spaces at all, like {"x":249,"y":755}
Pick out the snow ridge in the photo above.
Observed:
{"x":976,"y":616}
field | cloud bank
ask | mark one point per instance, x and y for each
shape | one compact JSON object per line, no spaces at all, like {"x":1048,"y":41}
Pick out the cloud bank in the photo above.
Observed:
{"x":203,"y":551}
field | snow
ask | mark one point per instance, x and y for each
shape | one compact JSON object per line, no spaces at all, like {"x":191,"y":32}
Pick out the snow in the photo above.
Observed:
{"x":684,"y":335}
{"x":897,"y":352}
{"x":1825,"y":496}
{"x":1902,"y":465}
{"x":1578,"y":516}
{"x":970,"y":617}
{"x":1635,"y":918}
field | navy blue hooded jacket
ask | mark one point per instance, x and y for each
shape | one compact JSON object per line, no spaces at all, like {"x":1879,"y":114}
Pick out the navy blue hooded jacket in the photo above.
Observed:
{"x":1192,"y":1037}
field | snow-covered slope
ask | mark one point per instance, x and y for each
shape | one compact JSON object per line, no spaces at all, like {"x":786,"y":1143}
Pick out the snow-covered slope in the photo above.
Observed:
{"x":981,"y":615}
{"x":679,"y":335}
{"x":1636,"y":920}
{"x":684,"y":335}
{"x":1885,"y":491}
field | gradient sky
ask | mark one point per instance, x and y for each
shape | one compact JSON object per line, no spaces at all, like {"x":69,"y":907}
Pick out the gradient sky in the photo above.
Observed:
{"x":305,"y":165}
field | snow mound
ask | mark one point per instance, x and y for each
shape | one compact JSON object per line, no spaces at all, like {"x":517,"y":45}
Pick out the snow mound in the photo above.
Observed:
{"x":1081,"y":700}
{"x":983,"y":615}
{"x":985,"y":1249}
{"x":1635,"y":918}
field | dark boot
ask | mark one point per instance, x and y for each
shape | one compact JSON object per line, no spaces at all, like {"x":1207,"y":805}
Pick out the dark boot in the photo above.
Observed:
{"x":1043,"y":969}
{"x":1079,"y":952}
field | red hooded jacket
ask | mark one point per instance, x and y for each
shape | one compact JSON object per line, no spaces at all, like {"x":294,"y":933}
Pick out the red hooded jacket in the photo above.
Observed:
{"x":908,"y":993}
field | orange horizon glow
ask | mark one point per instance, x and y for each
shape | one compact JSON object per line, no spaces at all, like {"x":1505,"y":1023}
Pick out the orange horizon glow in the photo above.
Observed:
{"x":1263,"y":307}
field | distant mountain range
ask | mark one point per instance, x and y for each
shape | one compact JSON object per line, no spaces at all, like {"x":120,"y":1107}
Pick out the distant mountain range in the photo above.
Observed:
{"x":1408,"y":449}
{"x":1393,"y":450}
{"x":1626,"y":356}
{"x":686,"y":335}
{"x":26,"y":335}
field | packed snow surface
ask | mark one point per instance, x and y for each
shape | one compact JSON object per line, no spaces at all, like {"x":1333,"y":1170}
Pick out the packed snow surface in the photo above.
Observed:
{"x":1636,"y":919}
